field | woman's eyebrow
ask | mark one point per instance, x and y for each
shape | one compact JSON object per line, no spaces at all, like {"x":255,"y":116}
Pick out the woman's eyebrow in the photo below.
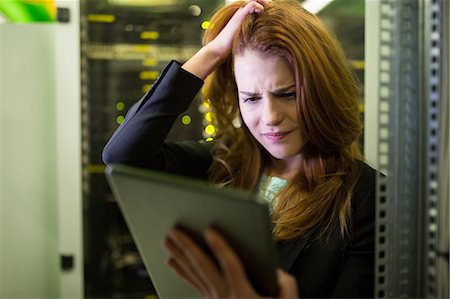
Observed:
{"x":283,"y":89}
{"x":248,"y":93}
{"x":276,"y":91}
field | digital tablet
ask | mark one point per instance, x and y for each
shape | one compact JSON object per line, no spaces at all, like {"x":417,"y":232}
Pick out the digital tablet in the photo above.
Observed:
{"x":153,"y":203}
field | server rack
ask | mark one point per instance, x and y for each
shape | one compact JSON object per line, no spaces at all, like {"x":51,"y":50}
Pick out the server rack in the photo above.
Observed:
{"x":125,"y":40}
{"x":124,"y":46}
{"x":413,"y":74}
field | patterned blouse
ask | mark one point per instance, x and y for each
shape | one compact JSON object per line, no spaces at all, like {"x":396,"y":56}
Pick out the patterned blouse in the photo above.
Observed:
{"x":269,"y":187}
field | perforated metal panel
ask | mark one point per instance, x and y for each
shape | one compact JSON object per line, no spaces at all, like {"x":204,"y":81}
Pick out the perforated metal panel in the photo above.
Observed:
{"x":433,"y":62}
{"x":408,"y":148}
{"x":398,"y":150}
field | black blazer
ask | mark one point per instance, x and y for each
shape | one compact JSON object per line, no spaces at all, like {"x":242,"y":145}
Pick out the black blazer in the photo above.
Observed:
{"x":336,"y":268}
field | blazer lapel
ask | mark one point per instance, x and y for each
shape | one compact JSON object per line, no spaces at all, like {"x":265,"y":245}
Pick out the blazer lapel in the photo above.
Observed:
{"x":288,"y":251}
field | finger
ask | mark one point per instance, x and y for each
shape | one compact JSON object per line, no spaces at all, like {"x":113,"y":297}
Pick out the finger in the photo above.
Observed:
{"x":222,"y":43}
{"x":236,"y":20}
{"x":288,"y":285}
{"x":263,"y":2}
{"x":180,"y":271}
{"x":231,"y":265}
{"x":186,"y":269}
{"x":183,"y":268}
{"x":250,"y":8}
{"x":199,"y":262}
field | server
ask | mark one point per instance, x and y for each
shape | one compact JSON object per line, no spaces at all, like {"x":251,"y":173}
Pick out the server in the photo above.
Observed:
{"x":124,"y":46}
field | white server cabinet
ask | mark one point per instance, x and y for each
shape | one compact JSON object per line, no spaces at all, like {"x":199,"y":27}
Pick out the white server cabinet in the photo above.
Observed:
{"x":68,"y":130}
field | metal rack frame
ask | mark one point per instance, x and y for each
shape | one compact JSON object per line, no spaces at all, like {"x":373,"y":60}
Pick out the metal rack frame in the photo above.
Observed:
{"x":433,"y":55}
{"x":410,"y":93}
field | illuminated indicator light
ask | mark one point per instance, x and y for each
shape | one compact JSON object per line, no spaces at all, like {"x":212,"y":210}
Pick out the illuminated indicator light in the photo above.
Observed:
{"x":207,"y":103}
{"x":94,"y":168}
{"x":120,"y":119}
{"x":361,"y":107}
{"x":210,"y":130}
{"x":205,"y":25}
{"x":100,"y":18}
{"x":209,"y":139}
{"x":186,"y":120}
{"x":150,"y":62}
{"x":148,"y":75}
{"x":357,"y":64}
{"x":143,"y":48}
{"x":203,"y":90}
{"x":120,"y":106}
{"x":208,"y":116}
{"x":146,"y":87}
{"x":149,"y":35}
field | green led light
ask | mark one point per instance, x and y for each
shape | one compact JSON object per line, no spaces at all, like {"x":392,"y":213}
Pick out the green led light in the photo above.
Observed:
{"x":120,"y":106}
{"x":209,"y":139}
{"x":186,"y":119}
{"x":120,"y":119}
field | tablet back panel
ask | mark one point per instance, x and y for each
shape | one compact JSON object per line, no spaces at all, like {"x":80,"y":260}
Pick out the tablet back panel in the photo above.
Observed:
{"x":152,"y":203}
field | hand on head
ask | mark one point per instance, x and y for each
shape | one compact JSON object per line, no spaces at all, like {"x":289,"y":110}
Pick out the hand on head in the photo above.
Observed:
{"x":191,"y":263}
{"x":218,"y":49}
{"x":222,"y":43}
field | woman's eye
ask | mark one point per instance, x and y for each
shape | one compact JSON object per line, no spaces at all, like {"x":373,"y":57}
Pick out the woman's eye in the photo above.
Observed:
{"x":289,"y":95}
{"x":251,"y":99}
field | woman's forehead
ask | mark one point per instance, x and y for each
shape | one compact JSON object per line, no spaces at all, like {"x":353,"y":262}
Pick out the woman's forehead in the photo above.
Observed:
{"x":254,"y":72}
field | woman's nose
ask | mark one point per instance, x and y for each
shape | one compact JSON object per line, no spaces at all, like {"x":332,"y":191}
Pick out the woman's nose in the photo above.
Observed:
{"x":271,"y":113}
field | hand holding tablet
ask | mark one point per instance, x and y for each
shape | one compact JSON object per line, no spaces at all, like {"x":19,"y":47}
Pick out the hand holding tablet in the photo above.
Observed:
{"x":153,"y":203}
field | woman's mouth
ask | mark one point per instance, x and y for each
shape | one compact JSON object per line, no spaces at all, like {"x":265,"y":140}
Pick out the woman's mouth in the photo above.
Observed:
{"x":275,"y":136}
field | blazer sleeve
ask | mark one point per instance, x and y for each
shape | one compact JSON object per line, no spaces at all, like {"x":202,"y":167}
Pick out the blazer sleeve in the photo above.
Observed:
{"x":140,"y":140}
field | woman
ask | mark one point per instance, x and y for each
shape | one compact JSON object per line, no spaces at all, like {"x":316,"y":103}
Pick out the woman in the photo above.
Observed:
{"x":274,"y":68}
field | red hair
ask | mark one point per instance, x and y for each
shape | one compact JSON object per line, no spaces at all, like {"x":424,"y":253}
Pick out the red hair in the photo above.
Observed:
{"x":319,"y":196}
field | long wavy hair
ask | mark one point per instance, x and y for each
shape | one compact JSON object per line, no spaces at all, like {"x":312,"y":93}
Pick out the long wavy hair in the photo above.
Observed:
{"x":319,"y":196}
